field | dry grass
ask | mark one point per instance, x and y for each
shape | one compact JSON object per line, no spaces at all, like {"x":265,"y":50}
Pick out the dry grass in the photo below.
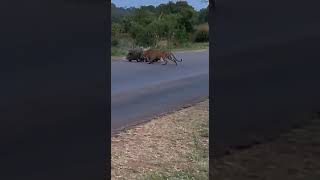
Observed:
{"x":168,"y":147}
{"x":295,"y":155}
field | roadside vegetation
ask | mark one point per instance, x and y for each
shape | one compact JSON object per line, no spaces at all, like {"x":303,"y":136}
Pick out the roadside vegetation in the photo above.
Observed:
{"x":174,"y":26}
{"x":172,"y":147}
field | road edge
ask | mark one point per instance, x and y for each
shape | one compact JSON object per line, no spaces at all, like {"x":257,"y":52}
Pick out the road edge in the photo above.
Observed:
{"x":116,"y":132}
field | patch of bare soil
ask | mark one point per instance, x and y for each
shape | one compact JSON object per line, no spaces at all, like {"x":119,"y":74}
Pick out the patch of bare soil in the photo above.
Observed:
{"x":293,"y":156}
{"x":168,"y":147}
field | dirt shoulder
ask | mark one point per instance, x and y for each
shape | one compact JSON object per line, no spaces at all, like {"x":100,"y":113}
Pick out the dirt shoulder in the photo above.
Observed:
{"x":294,"y":155}
{"x":117,"y":58}
{"x":174,"y":146}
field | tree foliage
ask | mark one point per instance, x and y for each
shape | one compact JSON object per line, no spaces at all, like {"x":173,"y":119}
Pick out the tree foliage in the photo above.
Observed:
{"x":148,"y":25}
{"x":203,"y":15}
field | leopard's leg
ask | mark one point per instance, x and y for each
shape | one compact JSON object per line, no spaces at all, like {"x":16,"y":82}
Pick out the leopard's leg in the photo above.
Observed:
{"x":165,"y":61}
{"x":173,"y":59}
{"x":150,"y":61}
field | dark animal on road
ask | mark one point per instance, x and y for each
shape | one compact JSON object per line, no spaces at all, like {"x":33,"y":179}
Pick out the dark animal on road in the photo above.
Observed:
{"x":135,"y":54}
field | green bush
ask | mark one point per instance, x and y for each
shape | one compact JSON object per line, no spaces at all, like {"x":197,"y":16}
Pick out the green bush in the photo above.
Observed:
{"x":114,"y":42}
{"x":201,"y":34}
{"x":149,"y":25}
{"x":118,"y":52}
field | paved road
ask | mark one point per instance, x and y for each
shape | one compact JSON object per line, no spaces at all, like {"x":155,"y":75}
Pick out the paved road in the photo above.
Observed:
{"x":140,"y":91}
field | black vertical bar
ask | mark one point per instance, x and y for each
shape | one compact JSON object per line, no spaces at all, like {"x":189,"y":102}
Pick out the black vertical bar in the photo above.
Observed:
{"x":264,"y":69}
{"x":54,"y":88}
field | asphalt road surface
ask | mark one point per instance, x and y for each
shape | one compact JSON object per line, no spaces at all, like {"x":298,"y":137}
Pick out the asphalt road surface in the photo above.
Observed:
{"x":140,"y":91}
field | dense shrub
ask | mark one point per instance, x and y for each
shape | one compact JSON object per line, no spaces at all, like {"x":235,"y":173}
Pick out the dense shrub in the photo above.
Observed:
{"x":202,"y":34}
{"x":148,"y":25}
{"x":114,"y":42}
